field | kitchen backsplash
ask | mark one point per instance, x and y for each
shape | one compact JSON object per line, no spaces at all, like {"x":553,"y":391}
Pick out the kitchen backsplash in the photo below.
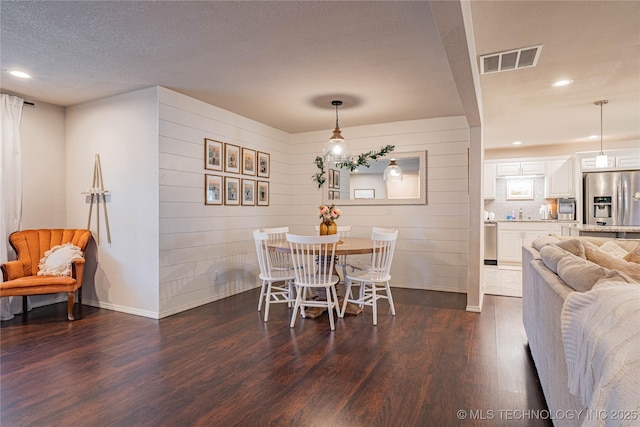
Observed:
{"x":530,"y":208}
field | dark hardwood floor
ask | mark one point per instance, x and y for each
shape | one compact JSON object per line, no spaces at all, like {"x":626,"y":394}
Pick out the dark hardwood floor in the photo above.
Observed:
{"x":221,"y":365}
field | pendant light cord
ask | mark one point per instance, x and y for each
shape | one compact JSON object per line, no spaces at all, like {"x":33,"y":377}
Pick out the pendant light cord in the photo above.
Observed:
{"x":601,"y":130}
{"x":337,"y":103}
{"x":601,"y":103}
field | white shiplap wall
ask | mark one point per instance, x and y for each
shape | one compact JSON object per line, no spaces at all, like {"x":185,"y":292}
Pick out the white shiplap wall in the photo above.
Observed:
{"x":207,"y":252}
{"x":433,"y":243}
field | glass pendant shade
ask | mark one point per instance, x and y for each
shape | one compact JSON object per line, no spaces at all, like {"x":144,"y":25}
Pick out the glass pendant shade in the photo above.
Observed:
{"x":601,"y":160}
{"x":393,"y":172}
{"x":336,"y":149}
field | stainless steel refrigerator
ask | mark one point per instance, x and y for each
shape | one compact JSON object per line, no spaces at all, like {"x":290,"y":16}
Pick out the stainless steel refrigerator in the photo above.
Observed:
{"x":612,"y":198}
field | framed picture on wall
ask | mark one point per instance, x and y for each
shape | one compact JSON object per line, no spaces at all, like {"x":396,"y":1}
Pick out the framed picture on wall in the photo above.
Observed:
{"x":231,"y":191}
{"x":364,"y":193}
{"x":213,"y":190}
{"x":248,"y":192}
{"x":248,"y":161}
{"x":212,"y":154}
{"x":334,"y":195}
{"x":264,"y":166}
{"x":519,"y":189}
{"x":336,"y":178}
{"x":263,"y":193}
{"x":231,"y":158}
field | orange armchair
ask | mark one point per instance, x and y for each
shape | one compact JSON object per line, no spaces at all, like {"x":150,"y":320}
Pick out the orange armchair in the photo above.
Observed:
{"x":21,"y":275}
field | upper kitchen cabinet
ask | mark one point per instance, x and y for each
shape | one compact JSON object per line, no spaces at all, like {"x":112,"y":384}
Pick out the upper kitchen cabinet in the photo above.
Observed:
{"x":489,"y":183}
{"x":520,"y":168}
{"x":616,"y":159}
{"x":558,"y":180}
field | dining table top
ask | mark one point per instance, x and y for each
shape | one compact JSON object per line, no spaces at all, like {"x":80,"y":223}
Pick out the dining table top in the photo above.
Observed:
{"x":345,"y":246}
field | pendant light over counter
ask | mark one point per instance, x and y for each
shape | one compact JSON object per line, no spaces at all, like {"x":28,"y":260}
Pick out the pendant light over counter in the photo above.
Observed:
{"x":393,"y":172}
{"x":336,"y":149}
{"x":601,"y":159}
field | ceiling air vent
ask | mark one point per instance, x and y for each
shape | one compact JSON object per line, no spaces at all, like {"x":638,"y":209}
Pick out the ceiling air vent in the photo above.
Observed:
{"x":510,"y":59}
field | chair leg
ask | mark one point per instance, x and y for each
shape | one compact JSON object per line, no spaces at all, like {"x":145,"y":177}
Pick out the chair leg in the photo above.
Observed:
{"x":374,"y":303}
{"x":24,"y":305}
{"x":267,"y":302}
{"x":390,"y":298}
{"x":330,"y":308}
{"x":347,"y":292}
{"x":336,"y":305}
{"x":261,"y":295}
{"x":291,"y":293}
{"x":70,"y":305}
{"x":295,"y":308}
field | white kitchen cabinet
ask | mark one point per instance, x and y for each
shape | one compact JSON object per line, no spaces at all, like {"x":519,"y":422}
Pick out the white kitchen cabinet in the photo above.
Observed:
{"x":489,"y":183}
{"x":520,"y":168}
{"x":616,"y":159}
{"x":559,"y":179}
{"x":532,"y":168}
{"x":628,"y":162}
{"x":508,"y":169}
{"x":589,"y":163}
{"x":513,"y":235}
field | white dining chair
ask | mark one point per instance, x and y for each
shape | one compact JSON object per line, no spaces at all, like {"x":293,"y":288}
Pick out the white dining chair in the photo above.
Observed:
{"x":271,"y":293}
{"x":279,"y":260}
{"x":374,"y":280}
{"x":344,"y":231}
{"x":313,"y":261}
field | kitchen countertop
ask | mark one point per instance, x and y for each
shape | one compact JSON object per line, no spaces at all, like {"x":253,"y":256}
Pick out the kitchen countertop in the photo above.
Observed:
{"x":605,"y":228}
{"x":553,"y":221}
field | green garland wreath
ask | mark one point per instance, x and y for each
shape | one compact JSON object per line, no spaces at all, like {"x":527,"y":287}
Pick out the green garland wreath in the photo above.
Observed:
{"x":362,"y":160}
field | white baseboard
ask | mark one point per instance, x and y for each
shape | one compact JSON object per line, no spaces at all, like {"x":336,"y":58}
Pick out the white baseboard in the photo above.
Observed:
{"x":120,"y":308}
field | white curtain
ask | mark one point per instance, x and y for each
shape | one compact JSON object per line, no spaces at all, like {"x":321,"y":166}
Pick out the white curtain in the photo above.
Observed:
{"x":11,"y":185}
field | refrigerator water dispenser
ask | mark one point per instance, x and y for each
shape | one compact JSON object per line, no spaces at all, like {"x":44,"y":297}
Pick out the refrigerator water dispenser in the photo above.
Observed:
{"x":601,"y":209}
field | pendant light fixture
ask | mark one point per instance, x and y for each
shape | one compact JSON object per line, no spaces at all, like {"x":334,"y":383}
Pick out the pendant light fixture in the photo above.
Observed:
{"x":336,"y":149}
{"x":393,"y":172}
{"x":601,"y":159}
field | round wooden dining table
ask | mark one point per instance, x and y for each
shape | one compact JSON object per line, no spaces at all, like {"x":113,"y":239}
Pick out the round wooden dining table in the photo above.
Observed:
{"x":346,"y":246}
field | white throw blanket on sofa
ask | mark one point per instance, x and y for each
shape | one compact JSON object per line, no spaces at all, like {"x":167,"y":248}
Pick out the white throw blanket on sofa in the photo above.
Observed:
{"x":601,"y":335}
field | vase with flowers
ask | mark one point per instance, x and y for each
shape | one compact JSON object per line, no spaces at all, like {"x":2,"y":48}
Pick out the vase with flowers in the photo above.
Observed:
{"x":328,"y":215}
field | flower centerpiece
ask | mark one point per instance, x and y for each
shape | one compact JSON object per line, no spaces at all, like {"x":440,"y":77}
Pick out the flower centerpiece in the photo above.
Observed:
{"x":328,"y":215}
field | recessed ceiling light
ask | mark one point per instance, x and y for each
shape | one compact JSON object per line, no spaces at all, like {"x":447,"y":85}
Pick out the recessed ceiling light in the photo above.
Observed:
{"x":517,"y":143}
{"x":561,"y":83}
{"x":20,"y":74}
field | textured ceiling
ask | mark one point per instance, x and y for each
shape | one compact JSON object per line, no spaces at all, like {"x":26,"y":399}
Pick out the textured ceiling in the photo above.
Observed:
{"x":281,"y":63}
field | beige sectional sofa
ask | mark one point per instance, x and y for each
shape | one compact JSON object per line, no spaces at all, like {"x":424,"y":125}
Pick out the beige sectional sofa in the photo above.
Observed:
{"x":554,"y":267}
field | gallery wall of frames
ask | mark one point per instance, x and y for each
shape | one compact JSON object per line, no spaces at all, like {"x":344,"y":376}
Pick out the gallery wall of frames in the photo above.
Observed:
{"x":241,"y":180}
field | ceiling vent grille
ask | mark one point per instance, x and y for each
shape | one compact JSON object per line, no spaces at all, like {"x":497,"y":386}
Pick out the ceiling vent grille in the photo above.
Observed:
{"x":510,"y":60}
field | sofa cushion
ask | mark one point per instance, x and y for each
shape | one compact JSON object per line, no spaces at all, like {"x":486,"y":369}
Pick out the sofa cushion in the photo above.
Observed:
{"x":628,"y":244}
{"x":574,"y":246}
{"x":551,"y":255}
{"x":600,"y":257}
{"x":542,"y":241}
{"x":613,"y":249}
{"x":580,"y":274}
{"x":633,"y":255}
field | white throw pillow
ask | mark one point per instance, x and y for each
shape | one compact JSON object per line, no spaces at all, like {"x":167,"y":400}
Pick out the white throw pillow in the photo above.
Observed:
{"x":57,"y":260}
